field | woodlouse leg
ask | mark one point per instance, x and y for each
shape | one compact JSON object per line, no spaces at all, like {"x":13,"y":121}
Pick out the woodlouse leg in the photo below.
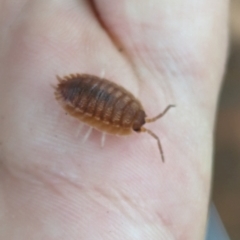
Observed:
{"x":159,"y":115}
{"x":79,"y":130}
{"x":103,"y":139}
{"x":102,"y":73}
{"x":157,"y":138}
{"x":87,"y":134}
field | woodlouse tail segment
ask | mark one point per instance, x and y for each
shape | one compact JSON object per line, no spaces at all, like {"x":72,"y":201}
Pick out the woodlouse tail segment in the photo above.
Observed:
{"x":60,"y":80}
{"x":54,"y":86}
{"x":148,"y":120}
{"x":71,"y":76}
{"x":157,"y":138}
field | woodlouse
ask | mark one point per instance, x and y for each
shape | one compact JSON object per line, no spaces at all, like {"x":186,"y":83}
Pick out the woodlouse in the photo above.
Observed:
{"x":104,"y":105}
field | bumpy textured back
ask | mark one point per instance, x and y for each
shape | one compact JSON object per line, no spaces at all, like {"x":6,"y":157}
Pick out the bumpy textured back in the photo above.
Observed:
{"x":99,"y":99}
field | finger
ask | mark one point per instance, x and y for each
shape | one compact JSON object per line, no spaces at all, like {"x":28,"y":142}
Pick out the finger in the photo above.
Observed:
{"x":171,"y":41}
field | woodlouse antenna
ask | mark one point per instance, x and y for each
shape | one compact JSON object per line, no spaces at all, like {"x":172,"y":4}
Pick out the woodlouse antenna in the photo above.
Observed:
{"x":148,"y":120}
{"x":143,"y":129}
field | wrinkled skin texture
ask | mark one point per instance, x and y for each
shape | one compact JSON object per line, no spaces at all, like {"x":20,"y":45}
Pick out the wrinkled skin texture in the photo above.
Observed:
{"x":52,"y":185}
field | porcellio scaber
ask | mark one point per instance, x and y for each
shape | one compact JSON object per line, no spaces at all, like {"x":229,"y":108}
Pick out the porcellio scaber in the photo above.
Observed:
{"x":104,"y":105}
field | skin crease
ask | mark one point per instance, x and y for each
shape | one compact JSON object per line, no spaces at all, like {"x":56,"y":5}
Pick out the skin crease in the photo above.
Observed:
{"x":54,"y":186}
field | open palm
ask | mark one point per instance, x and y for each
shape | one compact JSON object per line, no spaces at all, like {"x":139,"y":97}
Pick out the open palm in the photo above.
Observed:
{"x":55,"y":186}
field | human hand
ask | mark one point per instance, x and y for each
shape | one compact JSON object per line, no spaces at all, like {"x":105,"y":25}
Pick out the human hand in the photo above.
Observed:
{"x":54,"y":186}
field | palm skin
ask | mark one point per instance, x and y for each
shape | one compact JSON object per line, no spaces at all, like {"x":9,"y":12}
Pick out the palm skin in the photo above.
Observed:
{"x":54,"y":186}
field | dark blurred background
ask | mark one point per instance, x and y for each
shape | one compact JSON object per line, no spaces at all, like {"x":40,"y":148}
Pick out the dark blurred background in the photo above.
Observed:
{"x":226,"y":181}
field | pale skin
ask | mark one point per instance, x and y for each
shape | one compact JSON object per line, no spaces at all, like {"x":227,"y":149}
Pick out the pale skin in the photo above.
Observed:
{"x":55,"y":186}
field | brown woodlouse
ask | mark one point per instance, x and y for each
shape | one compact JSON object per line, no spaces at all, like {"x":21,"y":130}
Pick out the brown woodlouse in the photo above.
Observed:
{"x":104,"y":105}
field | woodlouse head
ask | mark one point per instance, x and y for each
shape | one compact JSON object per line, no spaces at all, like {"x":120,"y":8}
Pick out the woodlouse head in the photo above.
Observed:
{"x":139,"y":121}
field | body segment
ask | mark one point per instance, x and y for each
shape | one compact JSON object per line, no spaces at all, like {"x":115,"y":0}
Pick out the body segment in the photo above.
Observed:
{"x":100,"y":103}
